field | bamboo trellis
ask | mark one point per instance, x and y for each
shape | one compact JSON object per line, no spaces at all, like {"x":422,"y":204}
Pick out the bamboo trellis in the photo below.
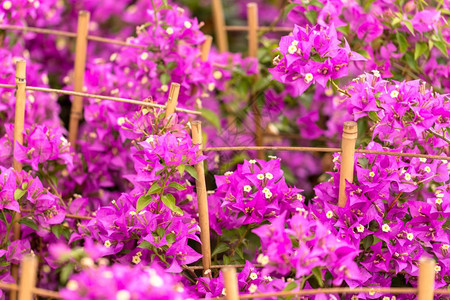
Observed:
{"x":27,"y":288}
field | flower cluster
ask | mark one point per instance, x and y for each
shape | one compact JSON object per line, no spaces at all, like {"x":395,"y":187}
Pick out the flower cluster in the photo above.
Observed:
{"x":255,"y":192}
{"x":124,"y":282}
{"x":306,"y":246}
{"x":405,"y":113}
{"x":395,"y":213}
{"x":312,"y":55}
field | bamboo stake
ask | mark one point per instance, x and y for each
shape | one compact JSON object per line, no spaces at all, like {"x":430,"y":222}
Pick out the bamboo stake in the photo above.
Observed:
{"x":100,"y":97}
{"x":252,"y":19}
{"x":19,"y":124}
{"x":425,"y":287}
{"x":219,"y":25}
{"x":173,"y":99}
{"x":231,"y":284}
{"x":80,"y":66}
{"x":197,"y":139}
{"x":206,"y":46}
{"x":349,"y":136}
{"x":28,"y":277}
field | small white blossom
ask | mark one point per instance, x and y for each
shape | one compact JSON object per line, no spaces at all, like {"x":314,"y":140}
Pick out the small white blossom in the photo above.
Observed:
{"x":7,"y":5}
{"x":438,"y":201}
{"x":217,"y":75}
{"x":269,"y":176}
{"x":252,"y":288}
{"x":427,"y":169}
{"x":121,"y":121}
{"x":228,"y":173}
{"x":247,"y":188}
{"x":260,"y":176}
{"x":107,"y":244}
{"x":437,"y":268}
{"x":292,"y":49}
{"x":136,"y":259}
{"x":253,"y":276}
{"x":423,"y":159}
{"x":144,"y":56}
{"x":156,"y":281}
{"x":394,"y":94}
{"x":360,"y":228}
{"x":164,"y":88}
{"x":252,"y":161}
{"x":407,"y":176}
{"x":329,"y":214}
{"x":187,"y":24}
{"x":123,"y":295}
{"x":445,"y":246}
{"x":309,"y":77}
{"x":72,"y":285}
{"x":211,"y":86}
{"x":386,"y":228}
{"x":169,"y":30}
{"x":372,"y":174}
{"x":410,"y":236}
{"x":262,"y":259}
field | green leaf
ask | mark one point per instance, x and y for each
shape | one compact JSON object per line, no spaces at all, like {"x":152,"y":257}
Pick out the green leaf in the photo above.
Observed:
{"x":177,"y":186}
{"x":57,"y":230}
{"x":181,"y":169}
{"x":240,"y":253}
{"x":226,"y":260}
{"x":290,"y":7}
{"x":30,"y":223}
{"x":221,"y":248}
{"x":409,"y":26}
{"x":367,"y":241}
{"x":211,"y":117}
{"x":142,"y":202}
{"x":66,"y":271}
{"x":316,"y":3}
{"x":344,"y":29}
{"x":442,"y":47}
{"x":291,"y":286}
{"x":169,"y":201}
{"x":373,"y":116}
{"x":311,"y":16}
{"x":154,"y":189}
{"x":261,"y":84}
{"x":171,"y":65}
{"x":364,"y":53}
{"x":145,"y":245}
{"x":318,"y":275}
{"x":191,"y":170}
{"x":421,"y":47}
{"x":402,"y":42}
{"x":19,"y":194}
{"x":165,"y":78}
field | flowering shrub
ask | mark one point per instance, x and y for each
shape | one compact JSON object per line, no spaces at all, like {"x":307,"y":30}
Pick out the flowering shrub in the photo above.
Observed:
{"x":117,"y":216}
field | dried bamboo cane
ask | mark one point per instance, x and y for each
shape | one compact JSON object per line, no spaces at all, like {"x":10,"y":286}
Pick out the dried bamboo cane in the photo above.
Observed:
{"x":252,"y":19}
{"x":349,"y":136}
{"x":19,"y":124}
{"x":206,"y":46}
{"x":426,"y":279}
{"x":219,"y":25}
{"x":28,"y":277}
{"x":231,"y":284}
{"x":173,"y":99}
{"x":202,"y":198}
{"x":80,"y":66}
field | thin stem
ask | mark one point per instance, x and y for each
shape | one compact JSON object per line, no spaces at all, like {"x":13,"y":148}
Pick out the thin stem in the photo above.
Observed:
{"x":339,"y":89}
{"x":438,"y":135}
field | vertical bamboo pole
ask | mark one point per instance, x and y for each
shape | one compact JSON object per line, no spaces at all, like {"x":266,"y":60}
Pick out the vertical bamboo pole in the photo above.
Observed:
{"x":427,"y":274}
{"x":19,"y":124}
{"x":28,"y":277}
{"x":173,"y":99}
{"x":202,"y":198}
{"x":252,"y":19}
{"x":80,"y":66}
{"x":219,"y":26}
{"x":206,"y":46}
{"x":231,"y":283}
{"x":349,"y":135}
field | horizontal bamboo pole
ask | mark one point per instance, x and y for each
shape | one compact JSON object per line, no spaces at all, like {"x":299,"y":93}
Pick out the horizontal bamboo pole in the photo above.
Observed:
{"x":8,"y":286}
{"x":332,"y":291}
{"x":86,"y":95}
{"x":260,"y":28}
{"x":47,"y":293}
{"x":40,"y":30}
{"x":69,"y":216}
{"x":220,"y":267}
{"x":324,"y":149}
{"x":69,"y":35}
